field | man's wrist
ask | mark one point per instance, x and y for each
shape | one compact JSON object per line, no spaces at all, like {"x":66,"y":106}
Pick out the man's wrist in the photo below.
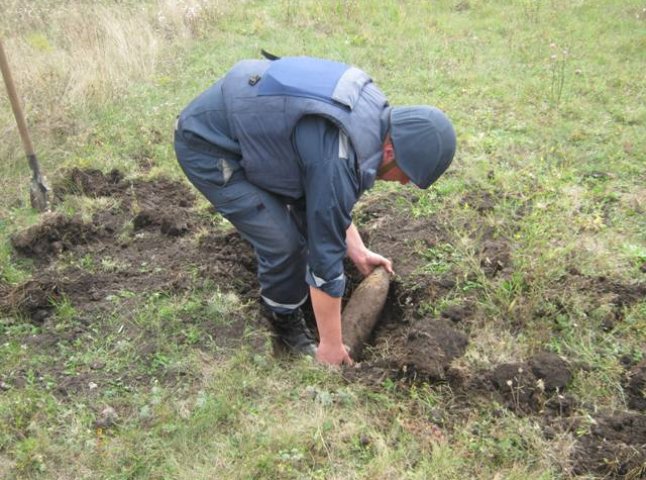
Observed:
{"x":358,"y":255}
{"x":331,"y":342}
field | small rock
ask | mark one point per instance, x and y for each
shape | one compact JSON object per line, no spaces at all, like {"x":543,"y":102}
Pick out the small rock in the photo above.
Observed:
{"x":107,"y":418}
{"x":364,"y":440}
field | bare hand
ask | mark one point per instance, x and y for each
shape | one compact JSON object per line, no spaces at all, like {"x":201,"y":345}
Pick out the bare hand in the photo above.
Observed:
{"x":333,"y":355}
{"x":371,"y":260}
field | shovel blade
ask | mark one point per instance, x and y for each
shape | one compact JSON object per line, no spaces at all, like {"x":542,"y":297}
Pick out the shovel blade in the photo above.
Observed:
{"x":38,"y":194}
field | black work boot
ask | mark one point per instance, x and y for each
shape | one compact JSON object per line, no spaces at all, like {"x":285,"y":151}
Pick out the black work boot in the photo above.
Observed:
{"x":292,"y":332}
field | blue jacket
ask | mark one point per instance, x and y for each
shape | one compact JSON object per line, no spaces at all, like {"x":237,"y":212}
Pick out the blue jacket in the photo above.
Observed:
{"x":266,"y":99}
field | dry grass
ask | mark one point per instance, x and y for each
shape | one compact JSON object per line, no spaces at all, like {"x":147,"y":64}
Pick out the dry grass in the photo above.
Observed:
{"x":67,"y":58}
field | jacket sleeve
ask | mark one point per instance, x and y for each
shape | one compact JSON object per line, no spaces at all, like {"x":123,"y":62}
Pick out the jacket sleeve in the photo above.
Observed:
{"x":331,"y":186}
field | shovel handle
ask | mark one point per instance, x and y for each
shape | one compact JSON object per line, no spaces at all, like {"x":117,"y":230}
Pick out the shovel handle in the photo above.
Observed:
{"x":17,"y":110}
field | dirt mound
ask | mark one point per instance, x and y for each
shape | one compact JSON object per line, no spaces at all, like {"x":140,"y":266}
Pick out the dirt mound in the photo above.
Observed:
{"x":150,"y":261}
{"x":90,"y":183}
{"x":552,"y":370}
{"x":605,"y":290}
{"x":615,"y":447}
{"x":635,"y":387}
{"x":426,"y":350}
{"x":458,"y":313}
{"x":526,"y":387}
{"x":55,"y":234}
{"x":33,"y":298}
{"x":495,"y":256}
{"x":159,"y":193}
{"x":173,"y":221}
{"x":607,"y":298}
{"x":37,"y":297}
{"x":620,"y":294}
{"x":518,"y":386}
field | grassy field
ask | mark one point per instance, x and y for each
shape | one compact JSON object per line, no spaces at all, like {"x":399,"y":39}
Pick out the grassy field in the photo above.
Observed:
{"x":130,"y":353}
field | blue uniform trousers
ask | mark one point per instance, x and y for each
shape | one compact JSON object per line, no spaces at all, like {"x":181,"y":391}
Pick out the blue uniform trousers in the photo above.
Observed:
{"x":272,"y":225}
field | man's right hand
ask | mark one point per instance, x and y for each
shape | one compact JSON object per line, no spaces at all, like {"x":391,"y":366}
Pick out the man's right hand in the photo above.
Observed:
{"x":333,"y":354}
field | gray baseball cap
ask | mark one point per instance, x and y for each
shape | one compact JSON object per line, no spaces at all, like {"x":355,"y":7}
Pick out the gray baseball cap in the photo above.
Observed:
{"x":424,"y":142}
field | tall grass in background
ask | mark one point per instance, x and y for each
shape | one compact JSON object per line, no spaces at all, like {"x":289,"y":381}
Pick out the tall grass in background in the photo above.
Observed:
{"x":69,"y":57}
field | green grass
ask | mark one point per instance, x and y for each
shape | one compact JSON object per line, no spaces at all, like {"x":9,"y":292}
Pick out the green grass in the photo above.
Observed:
{"x":548,"y":99}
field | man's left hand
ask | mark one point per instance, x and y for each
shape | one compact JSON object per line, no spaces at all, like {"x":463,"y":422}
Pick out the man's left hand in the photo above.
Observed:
{"x":371,"y":260}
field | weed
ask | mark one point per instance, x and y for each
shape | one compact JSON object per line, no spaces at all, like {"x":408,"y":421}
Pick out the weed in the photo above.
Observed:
{"x":65,"y":311}
{"x":439,"y":259}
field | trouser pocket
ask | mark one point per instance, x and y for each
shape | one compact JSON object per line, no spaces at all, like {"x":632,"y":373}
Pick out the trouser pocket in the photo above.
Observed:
{"x":206,"y":168}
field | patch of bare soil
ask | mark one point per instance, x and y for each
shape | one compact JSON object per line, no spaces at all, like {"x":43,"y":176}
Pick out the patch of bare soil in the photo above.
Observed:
{"x":394,"y":233}
{"x":423,"y":350}
{"x":495,"y":256}
{"x":615,"y":447}
{"x":152,"y":241}
{"x":146,"y":194}
{"x":534,"y":386}
{"x":635,"y":387}
{"x":605,"y":291}
{"x":55,"y":234}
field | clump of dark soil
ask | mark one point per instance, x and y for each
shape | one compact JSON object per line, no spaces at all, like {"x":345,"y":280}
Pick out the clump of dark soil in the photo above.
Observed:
{"x":615,"y":447}
{"x":230,"y":258}
{"x":160,"y":193}
{"x":525,"y":387}
{"x":37,"y":297}
{"x":605,"y":290}
{"x":90,"y":183}
{"x":458,"y":313}
{"x":426,"y":349}
{"x":620,"y":294}
{"x":635,"y":387}
{"x":517,"y":385}
{"x":495,"y":256}
{"x":552,"y":370}
{"x":55,"y":234}
{"x":172,"y":221}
